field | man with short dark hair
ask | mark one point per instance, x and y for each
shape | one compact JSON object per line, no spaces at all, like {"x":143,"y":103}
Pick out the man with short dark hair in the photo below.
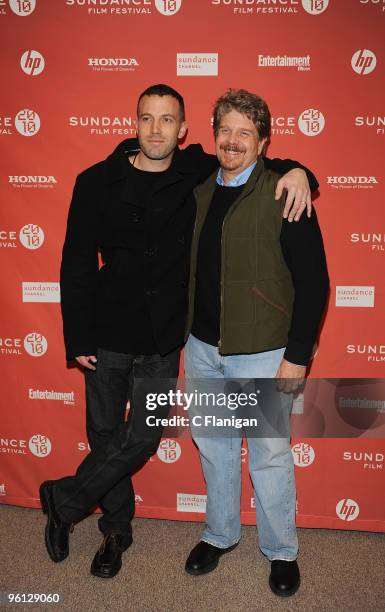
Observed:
{"x":258,"y":288}
{"x":125,"y":321}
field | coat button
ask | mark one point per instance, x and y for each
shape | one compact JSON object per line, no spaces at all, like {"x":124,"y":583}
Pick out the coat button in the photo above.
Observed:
{"x":150,"y":252}
{"x":135,"y":218}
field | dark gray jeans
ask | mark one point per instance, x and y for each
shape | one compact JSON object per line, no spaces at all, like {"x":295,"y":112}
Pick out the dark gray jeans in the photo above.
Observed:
{"x":119,"y":447}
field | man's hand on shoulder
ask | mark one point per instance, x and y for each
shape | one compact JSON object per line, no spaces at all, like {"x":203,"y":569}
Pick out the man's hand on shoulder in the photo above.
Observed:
{"x":291,"y":376}
{"x":298,"y":194}
{"x":87,"y":362}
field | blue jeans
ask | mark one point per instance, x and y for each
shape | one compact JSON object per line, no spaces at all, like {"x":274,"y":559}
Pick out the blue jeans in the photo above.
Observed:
{"x":271,"y":463}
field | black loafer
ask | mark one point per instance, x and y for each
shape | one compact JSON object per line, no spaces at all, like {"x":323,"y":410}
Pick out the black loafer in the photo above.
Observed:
{"x":56,"y":531}
{"x":204,"y":558}
{"x":284,"y":577}
{"x":108,"y":559}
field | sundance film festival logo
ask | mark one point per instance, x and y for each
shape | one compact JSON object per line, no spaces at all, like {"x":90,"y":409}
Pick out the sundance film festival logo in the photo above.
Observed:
{"x":127,"y":7}
{"x":112,"y":64}
{"x":364,"y":61}
{"x":378,"y":3}
{"x":105,"y":125}
{"x":27,"y":122}
{"x":32,"y":63}
{"x":169,"y":451}
{"x":40,"y":445}
{"x":375,"y":241}
{"x":375,"y":122}
{"x":257,"y":7}
{"x":367,"y":460}
{"x":168,"y":7}
{"x":303,"y":454}
{"x":374,"y":353}
{"x":35,"y":344}
{"x":23,"y":8}
{"x":311,"y":122}
{"x":347,"y":510}
{"x":315,"y":7}
{"x":31,"y":236}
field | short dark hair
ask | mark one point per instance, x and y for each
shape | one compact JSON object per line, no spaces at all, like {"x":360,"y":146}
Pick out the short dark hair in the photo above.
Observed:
{"x":249,"y":104}
{"x":164,"y":90}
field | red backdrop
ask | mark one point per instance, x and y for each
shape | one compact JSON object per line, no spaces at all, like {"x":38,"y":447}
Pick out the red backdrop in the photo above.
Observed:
{"x":72,"y":71}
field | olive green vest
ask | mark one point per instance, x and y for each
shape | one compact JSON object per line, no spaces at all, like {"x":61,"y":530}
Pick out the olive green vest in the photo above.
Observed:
{"x":256,"y":287}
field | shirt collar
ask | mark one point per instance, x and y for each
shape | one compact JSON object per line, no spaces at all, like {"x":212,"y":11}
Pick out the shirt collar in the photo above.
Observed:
{"x":238,"y":180}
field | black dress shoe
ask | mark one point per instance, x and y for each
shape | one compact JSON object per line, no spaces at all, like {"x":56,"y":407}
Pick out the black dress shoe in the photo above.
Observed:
{"x":204,"y":558}
{"x":108,"y":559}
{"x":284,"y":577}
{"x":56,"y":531}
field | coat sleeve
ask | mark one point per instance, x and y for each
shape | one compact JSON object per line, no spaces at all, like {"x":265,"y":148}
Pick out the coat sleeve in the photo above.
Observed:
{"x":79,"y":273}
{"x":304,"y":254}
{"x":281,"y":166}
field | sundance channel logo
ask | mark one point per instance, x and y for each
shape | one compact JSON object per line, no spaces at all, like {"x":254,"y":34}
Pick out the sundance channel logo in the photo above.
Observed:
{"x":40,"y":292}
{"x":188,"y":502}
{"x":168,"y":8}
{"x":197,"y":64}
{"x":349,"y":296}
{"x":273,"y":7}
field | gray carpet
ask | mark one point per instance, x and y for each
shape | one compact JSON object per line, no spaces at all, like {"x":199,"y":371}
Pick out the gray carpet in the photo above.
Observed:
{"x":341,"y":570}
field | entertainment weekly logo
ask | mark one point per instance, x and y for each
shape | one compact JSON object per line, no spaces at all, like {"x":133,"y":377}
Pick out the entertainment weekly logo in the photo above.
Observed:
{"x":21,"y":8}
{"x":30,"y":236}
{"x":352,"y":182}
{"x":104,"y":125}
{"x":168,"y":8}
{"x":310,"y":122}
{"x":197,"y":64}
{"x":354,"y":296}
{"x":26,"y":121}
{"x":38,"y":445}
{"x":34,"y":344}
{"x":40,"y":292}
{"x":273,"y":7}
{"x":67,"y":397}
{"x":301,"y":63}
{"x":32,"y":181}
{"x":113,"y":64}
{"x":373,"y":241}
